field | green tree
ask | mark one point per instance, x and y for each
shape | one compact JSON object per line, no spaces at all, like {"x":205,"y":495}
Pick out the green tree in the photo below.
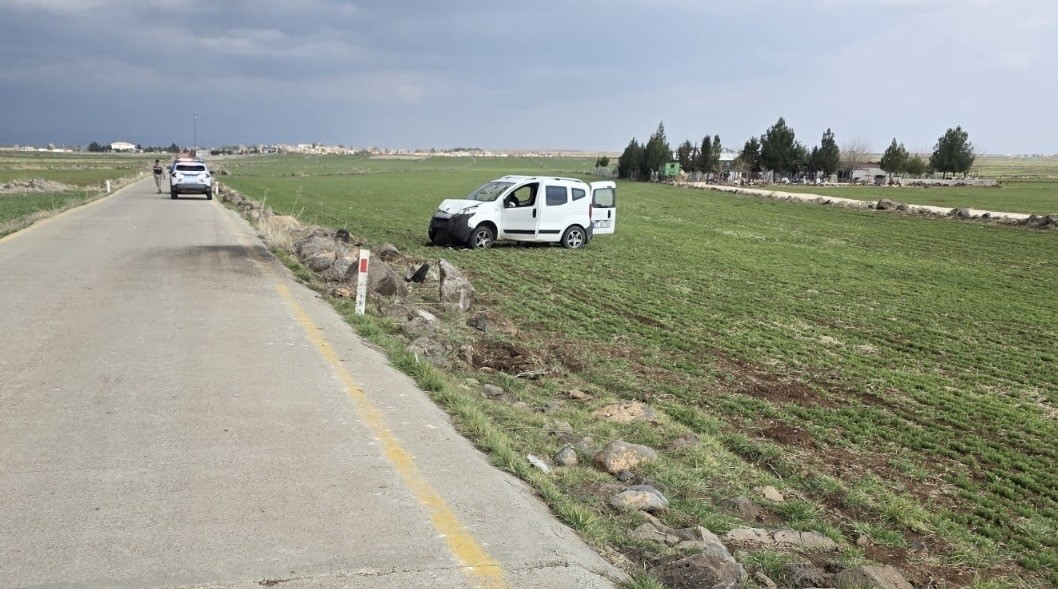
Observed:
{"x":749,"y":157}
{"x":800,"y":159}
{"x":602,"y":162}
{"x":173,"y":148}
{"x":95,"y":147}
{"x":828,"y":159}
{"x":953,"y":153}
{"x":916,"y":166}
{"x":894,"y":160}
{"x":630,"y":162}
{"x":778,"y":148}
{"x":656,"y":152}
{"x":704,"y":161}
{"x":686,"y":154}
{"x":716,"y":151}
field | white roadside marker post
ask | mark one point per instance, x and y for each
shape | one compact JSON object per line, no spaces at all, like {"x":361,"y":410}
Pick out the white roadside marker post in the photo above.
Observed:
{"x":361,"y":281}
{"x":108,"y":186}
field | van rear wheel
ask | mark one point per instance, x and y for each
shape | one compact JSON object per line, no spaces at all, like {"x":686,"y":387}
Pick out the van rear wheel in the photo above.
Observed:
{"x":481,"y":238}
{"x":574,"y":237}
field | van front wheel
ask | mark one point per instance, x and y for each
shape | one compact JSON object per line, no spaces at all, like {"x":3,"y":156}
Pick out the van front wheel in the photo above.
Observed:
{"x":574,"y":237}
{"x":481,"y":238}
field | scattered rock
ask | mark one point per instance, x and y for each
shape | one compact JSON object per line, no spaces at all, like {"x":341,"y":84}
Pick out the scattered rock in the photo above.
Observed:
{"x":771,"y":494}
{"x":627,"y":413}
{"x":343,"y":292}
{"x":746,"y":508}
{"x":550,"y":407}
{"x":682,"y":442}
{"x":695,"y":534}
{"x":567,"y":456}
{"x":561,"y":430}
{"x":492,"y":391}
{"x":426,"y":347}
{"x":707,"y":570}
{"x":641,"y":497}
{"x":313,"y":245}
{"x":805,"y":575}
{"x":961,"y":213}
{"x":750,"y":537}
{"x":650,"y":533}
{"x":455,"y":291}
{"x":885,"y":205}
{"x":586,"y":445}
{"x":448,"y":269}
{"x":417,"y":326}
{"x":388,"y":252}
{"x":626,"y":476}
{"x":619,"y":455}
{"x":863,"y":541}
{"x":871,"y":577}
{"x":382,"y":280}
{"x":804,"y":540}
{"x":495,"y":393}
{"x":540,"y":464}
{"x":340,"y":271}
{"x":322,"y":261}
{"x":343,"y":236}
{"x":489,"y":321}
{"x":578,"y":394}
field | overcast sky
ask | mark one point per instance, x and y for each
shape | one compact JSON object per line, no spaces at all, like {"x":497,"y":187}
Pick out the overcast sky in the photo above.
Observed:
{"x":561,"y":74}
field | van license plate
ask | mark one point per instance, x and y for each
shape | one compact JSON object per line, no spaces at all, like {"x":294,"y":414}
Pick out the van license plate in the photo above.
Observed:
{"x":602,"y":224}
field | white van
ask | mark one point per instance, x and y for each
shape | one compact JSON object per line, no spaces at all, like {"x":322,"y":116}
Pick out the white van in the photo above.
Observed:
{"x":530,"y":209}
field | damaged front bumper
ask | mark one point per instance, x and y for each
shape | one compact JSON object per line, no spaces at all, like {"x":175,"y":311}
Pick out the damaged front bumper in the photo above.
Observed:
{"x":449,"y":228}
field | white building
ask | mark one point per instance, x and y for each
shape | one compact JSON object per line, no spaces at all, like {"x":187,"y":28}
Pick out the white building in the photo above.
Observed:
{"x":122,"y":146}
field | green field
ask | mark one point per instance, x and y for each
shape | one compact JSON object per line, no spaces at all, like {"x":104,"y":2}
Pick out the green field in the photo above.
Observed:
{"x":82,"y":177}
{"x":897,"y":376}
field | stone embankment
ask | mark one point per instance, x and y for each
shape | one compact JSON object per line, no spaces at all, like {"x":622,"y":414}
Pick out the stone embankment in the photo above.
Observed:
{"x":1022,"y":219}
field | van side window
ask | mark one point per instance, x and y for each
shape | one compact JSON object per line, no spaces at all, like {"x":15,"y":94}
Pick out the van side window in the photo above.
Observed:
{"x":524,"y":196}
{"x":557,"y":195}
{"x":579,"y":193}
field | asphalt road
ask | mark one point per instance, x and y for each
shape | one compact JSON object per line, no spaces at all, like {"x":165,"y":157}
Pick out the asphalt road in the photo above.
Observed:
{"x":175,"y":411}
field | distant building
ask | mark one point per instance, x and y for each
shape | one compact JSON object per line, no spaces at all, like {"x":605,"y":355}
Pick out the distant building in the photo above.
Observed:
{"x":122,"y":146}
{"x":870,"y":173}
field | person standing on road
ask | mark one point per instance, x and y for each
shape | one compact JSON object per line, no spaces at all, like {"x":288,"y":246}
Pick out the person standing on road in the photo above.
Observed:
{"x":158,"y":174}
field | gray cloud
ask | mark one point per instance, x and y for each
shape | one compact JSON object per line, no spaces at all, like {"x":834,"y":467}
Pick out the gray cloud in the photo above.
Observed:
{"x":588,"y":74}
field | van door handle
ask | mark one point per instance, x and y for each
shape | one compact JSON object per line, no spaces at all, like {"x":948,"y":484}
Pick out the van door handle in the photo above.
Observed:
{"x":534,"y":213}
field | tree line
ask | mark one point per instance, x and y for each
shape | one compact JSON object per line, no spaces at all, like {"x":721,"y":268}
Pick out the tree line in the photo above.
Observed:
{"x":777,"y":151}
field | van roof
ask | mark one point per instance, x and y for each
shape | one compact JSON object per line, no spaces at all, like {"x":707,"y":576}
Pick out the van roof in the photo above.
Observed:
{"x":517,"y":178}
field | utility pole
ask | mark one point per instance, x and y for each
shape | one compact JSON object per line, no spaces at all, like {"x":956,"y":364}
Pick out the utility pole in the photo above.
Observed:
{"x":194,"y":148}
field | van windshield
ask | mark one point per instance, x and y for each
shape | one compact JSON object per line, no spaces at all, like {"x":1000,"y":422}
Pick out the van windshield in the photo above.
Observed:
{"x":490,"y":191}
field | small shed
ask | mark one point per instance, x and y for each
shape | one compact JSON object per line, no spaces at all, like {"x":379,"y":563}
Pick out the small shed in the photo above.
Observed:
{"x":669,"y":170}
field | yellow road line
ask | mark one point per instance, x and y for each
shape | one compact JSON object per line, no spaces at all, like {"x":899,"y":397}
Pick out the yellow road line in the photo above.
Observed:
{"x":478,"y":565}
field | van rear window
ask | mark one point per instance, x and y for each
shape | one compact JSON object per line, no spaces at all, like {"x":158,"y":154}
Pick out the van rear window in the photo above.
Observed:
{"x":557,"y":195}
{"x":190,"y":168}
{"x":579,"y":193}
{"x":604,"y":198}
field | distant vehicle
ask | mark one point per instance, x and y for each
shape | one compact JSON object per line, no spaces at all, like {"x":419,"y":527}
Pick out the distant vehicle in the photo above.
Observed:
{"x":527,"y":209}
{"x":190,"y":176}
